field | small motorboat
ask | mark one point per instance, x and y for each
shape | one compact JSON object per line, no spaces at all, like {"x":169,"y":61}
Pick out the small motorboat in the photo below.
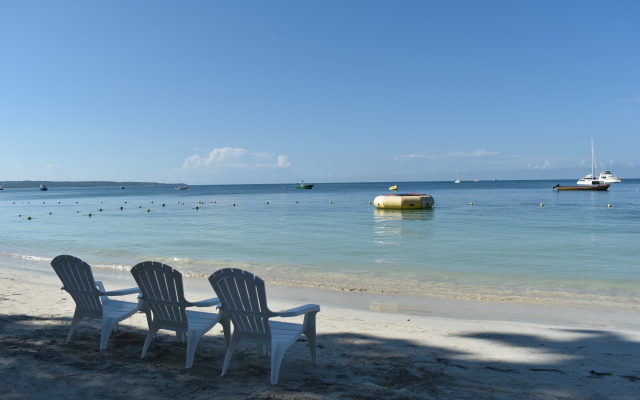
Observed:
{"x":302,"y":185}
{"x":582,"y":187}
{"x":44,"y":187}
{"x":404,"y":201}
{"x":180,"y":187}
{"x":598,"y":177}
{"x":394,"y":187}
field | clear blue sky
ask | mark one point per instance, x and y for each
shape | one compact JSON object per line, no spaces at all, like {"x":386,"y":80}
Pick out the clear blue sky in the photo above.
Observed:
{"x":217,"y":92}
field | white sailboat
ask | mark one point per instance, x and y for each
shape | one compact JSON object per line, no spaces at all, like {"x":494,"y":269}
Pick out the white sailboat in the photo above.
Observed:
{"x":597,"y":177}
{"x":590,"y":179}
{"x":457,"y":177}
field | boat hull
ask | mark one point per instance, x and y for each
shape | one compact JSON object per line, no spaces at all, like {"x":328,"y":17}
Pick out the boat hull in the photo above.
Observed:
{"x":593,"y":187}
{"x":404,"y":201}
{"x":304,"y":187}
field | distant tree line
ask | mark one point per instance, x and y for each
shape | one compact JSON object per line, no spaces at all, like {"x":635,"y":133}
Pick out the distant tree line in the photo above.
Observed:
{"x":36,"y":184}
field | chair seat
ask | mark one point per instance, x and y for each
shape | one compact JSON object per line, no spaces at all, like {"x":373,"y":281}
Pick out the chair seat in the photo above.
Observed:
{"x":115,"y":308}
{"x":285,"y":331}
{"x":201,"y":320}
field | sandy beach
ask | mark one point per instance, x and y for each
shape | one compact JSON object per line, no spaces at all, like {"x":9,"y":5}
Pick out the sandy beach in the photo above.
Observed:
{"x":362,"y":354}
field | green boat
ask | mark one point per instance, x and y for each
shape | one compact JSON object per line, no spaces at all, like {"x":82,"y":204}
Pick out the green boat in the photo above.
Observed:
{"x":303,"y":185}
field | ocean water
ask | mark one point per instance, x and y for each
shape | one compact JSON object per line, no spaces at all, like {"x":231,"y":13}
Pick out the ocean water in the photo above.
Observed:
{"x":494,"y":240}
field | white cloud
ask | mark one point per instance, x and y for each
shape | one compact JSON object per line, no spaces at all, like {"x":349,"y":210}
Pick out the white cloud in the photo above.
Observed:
{"x":228,"y":157}
{"x":452,"y":155}
{"x":546,"y":165}
{"x":282,"y":161}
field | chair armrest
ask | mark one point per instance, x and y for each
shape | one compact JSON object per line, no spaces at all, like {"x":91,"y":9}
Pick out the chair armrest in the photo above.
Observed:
{"x":122,"y":292}
{"x":207,"y":303}
{"x":294,"y":312}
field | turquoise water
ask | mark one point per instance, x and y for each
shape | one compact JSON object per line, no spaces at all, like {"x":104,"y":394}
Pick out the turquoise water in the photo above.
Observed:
{"x":518,"y":240}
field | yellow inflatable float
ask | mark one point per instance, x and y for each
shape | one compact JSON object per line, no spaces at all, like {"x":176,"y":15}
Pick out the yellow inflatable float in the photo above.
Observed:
{"x":404,"y":201}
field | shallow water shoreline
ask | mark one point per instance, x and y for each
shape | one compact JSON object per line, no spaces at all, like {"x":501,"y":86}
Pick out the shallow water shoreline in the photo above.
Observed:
{"x":588,"y":311}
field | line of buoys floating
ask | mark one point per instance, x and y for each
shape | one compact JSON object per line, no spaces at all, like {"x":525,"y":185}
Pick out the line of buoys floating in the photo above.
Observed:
{"x":393,"y":204}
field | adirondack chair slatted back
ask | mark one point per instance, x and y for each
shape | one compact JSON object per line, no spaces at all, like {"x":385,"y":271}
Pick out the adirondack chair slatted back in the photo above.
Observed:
{"x":162,"y":290}
{"x":77,"y":278}
{"x":244,"y":299}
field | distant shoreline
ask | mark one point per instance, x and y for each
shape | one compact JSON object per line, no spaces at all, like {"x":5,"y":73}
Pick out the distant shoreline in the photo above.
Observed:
{"x":36,"y":184}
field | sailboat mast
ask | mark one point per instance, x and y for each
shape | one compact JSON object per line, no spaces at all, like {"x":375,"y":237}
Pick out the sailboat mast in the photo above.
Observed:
{"x":593,"y":161}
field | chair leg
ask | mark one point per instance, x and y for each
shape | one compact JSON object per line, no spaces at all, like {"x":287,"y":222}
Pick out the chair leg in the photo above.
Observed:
{"x":235,"y":339}
{"x":277,"y":353}
{"x":108,"y":326}
{"x":192,"y":342}
{"x":226,"y":328}
{"x":310,"y":334}
{"x":150,"y":336}
{"x":77,"y":317}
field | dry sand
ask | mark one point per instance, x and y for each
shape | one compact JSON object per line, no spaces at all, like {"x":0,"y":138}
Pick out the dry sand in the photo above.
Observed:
{"x":361,"y":355}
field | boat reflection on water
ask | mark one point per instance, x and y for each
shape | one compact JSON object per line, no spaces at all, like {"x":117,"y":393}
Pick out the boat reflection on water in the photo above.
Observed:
{"x":398,"y":227}
{"x":423,"y":214}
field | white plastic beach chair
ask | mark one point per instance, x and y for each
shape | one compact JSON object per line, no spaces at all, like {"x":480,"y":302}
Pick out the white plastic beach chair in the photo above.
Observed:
{"x":91,"y":298}
{"x":244,"y":300}
{"x":163,"y":295}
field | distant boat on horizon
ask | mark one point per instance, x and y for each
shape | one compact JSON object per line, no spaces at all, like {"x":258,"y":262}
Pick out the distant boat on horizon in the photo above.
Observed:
{"x":457,"y":177}
{"x":44,"y":187}
{"x":303,"y":185}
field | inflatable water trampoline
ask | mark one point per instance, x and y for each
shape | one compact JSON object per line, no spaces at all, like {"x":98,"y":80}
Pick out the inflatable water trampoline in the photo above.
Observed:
{"x":404,"y":201}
